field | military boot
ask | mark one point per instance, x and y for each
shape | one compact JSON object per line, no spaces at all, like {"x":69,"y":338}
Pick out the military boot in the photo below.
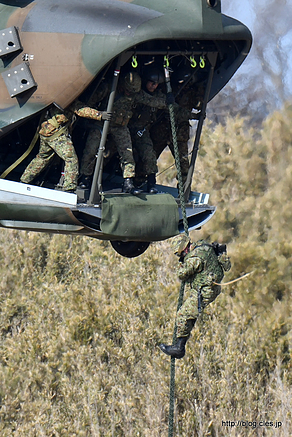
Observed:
{"x":176,"y":350}
{"x":151,"y":181}
{"x":129,"y":187}
{"x":85,"y":182}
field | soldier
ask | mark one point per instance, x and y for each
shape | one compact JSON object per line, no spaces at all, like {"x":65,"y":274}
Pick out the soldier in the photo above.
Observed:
{"x":190,"y":97}
{"x":94,"y":130}
{"x":141,"y":122}
{"x":122,"y":113}
{"x":139,"y":126}
{"x":130,"y":96}
{"x":202,"y":265}
{"x":55,"y":138}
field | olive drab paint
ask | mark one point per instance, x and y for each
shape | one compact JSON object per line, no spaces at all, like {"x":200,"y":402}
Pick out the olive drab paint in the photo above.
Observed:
{"x":53,"y":52}
{"x":66,"y":44}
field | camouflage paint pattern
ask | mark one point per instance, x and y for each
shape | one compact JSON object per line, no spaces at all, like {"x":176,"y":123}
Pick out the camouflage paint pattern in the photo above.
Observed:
{"x":201,"y":268}
{"x":66,"y":49}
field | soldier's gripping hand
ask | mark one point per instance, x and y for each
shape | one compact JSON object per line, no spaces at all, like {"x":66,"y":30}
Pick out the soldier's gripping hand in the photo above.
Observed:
{"x":196,"y":115}
{"x":224,"y":260}
{"x":170,"y":100}
{"x":106,"y":115}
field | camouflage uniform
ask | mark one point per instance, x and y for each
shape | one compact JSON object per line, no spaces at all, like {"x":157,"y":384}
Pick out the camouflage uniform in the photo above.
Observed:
{"x":139,"y":126}
{"x":161,"y":136}
{"x":161,"y":132}
{"x":201,"y":267}
{"x":98,"y":101}
{"x":54,"y":138}
{"x":90,"y":151}
{"x":122,"y":113}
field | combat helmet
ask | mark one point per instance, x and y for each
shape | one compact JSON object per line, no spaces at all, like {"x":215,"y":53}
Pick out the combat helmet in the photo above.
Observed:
{"x":180,"y":243}
{"x":153,"y":74}
{"x":132,"y":82}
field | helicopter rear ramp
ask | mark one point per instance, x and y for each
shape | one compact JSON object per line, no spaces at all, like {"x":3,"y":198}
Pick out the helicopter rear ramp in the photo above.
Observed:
{"x":120,"y":216}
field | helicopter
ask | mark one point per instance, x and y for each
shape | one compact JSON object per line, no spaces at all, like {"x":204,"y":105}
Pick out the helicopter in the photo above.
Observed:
{"x":55,"y":51}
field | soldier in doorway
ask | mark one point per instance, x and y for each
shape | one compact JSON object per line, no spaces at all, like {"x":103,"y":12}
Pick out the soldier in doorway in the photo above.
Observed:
{"x":55,"y":138}
{"x":189,"y":98}
{"x":139,"y":125}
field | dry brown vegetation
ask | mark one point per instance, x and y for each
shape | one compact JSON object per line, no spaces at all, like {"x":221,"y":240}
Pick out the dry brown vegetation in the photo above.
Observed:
{"x":80,"y":325}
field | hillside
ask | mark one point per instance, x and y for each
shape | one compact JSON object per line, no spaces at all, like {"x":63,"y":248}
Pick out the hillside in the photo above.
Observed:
{"x":80,"y":325}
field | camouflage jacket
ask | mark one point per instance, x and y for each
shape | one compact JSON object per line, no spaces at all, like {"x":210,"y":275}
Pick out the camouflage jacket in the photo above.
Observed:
{"x":123,"y":107}
{"x":59,"y":119}
{"x":145,"y":115}
{"x":202,"y":267}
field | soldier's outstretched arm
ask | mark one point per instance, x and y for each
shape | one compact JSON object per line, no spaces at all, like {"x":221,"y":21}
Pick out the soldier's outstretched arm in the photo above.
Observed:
{"x":153,"y":101}
{"x":86,"y":112}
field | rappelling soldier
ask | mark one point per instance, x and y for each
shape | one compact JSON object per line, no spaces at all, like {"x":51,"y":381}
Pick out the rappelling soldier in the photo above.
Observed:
{"x":55,"y":138}
{"x":202,"y":265}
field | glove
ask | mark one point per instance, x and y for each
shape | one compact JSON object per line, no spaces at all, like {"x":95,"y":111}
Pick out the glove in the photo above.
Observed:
{"x":196,"y":116}
{"x":106,"y":115}
{"x":170,"y":100}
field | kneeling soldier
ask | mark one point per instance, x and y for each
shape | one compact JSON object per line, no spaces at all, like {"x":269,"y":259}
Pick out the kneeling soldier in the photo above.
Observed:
{"x":202,"y":265}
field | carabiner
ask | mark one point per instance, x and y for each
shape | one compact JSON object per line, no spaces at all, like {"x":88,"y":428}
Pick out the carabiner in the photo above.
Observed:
{"x":166,"y":61}
{"x":134,"y":62}
{"x":193,"y":62}
{"x":202,"y":62}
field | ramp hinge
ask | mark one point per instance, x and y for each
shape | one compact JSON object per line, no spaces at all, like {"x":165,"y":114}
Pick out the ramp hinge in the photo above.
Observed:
{"x":19,"y":79}
{"x":9,"y":41}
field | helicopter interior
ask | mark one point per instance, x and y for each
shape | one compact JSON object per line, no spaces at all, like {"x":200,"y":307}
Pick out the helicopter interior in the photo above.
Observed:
{"x":204,"y":71}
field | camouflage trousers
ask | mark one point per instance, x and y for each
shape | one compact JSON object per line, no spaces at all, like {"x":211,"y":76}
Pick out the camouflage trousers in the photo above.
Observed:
{"x":122,"y":138}
{"x":146,"y":156}
{"x":90,"y":151}
{"x":161,"y":136}
{"x":64,"y":148}
{"x":183,"y":157}
{"x":188,"y":313}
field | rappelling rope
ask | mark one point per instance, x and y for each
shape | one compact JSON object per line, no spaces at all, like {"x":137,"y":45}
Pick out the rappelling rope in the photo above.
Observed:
{"x":186,"y":229}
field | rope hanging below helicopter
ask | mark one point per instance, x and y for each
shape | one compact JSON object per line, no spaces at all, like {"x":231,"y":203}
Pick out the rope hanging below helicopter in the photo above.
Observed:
{"x":170,"y":100}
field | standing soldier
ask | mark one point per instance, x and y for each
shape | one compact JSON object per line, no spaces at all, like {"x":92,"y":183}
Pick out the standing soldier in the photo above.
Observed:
{"x":131,"y":95}
{"x":202,"y":265}
{"x":94,"y":131}
{"x":191,"y":96}
{"x":139,"y":126}
{"x":55,"y":138}
{"x":122,"y":113}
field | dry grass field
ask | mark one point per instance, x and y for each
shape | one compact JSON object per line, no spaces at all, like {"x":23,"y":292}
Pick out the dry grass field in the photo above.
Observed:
{"x":80,"y":325}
